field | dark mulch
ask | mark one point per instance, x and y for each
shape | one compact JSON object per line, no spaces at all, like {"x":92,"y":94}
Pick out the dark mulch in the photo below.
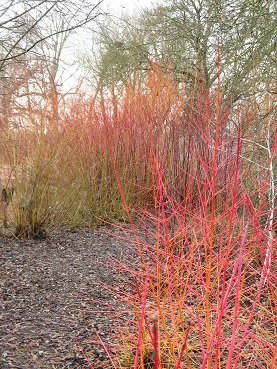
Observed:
{"x":43,"y":285}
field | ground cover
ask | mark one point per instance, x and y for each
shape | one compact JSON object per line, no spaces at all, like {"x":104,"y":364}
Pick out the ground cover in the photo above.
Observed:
{"x":52,"y":294}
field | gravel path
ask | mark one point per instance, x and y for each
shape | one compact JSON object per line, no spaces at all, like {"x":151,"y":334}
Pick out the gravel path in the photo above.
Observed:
{"x":43,"y":304}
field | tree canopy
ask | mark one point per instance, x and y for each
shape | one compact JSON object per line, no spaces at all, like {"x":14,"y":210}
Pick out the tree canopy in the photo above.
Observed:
{"x":183,"y":36}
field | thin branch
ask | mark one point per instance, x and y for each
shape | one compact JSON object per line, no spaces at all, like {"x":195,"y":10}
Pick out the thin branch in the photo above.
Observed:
{"x":21,"y":14}
{"x":68,"y":29}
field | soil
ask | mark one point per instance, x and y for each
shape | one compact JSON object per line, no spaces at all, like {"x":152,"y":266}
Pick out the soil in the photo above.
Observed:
{"x":57,"y":301}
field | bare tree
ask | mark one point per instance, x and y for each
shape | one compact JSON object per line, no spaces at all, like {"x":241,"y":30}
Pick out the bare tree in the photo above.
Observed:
{"x":21,"y":20}
{"x":32,"y":37}
{"x":183,"y":36}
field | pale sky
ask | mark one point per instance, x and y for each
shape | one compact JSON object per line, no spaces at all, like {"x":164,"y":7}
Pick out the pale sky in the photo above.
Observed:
{"x":130,"y":5}
{"x":115,"y":7}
